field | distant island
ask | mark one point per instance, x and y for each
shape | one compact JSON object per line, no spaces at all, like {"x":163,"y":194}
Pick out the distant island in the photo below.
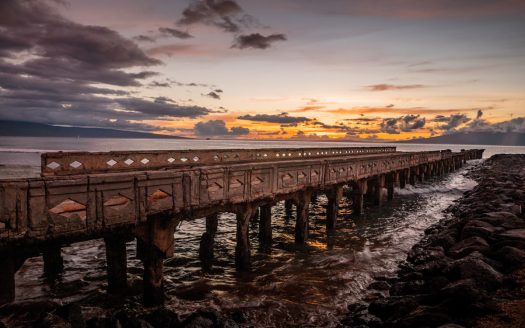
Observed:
{"x":29,"y":129}
{"x":474,"y":138}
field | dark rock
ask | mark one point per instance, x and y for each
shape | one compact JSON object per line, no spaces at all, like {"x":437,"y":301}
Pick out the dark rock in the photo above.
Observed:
{"x":393,"y":306}
{"x":379,"y":285}
{"x":161,"y":318}
{"x":202,"y":319}
{"x":474,"y":267}
{"x":467,"y":246}
{"x":73,"y":314}
{"x":424,"y":318}
{"x":451,"y":325}
{"x":512,"y":258}
{"x":51,"y":321}
{"x":239,"y":317}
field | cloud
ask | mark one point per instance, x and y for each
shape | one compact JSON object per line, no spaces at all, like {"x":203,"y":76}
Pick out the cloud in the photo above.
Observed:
{"x":257,"y":41}
{"x":144,"y":38}
{"x":213,"y":95}
{"x":218,"y":128}
{"x":386,"y":87}
{"x":402,"y":124}
{"x":398,"y":110}
{"x":58,"y":68}
{"x":282,"y":118}
{"x":175,"y":33}
{"x":226,"y":15}
{"x":452,"y":121}
{"x":171,"y":49}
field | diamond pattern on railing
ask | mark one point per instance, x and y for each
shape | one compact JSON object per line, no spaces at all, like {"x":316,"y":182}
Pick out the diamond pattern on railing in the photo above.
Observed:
{"x":129,"y":161}
{"x":144,"y":161}
{"x":75,"y":164}
{"x":171,"y":160}
{"x":196,"y":158}
{"x":53,"y":165}
{"x":216,"y":157}
{"x":111,"y":162}
{"x":184,"y":159}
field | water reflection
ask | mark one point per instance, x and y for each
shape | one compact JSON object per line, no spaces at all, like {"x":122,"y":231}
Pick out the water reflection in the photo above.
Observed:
{"x":304,"y":286}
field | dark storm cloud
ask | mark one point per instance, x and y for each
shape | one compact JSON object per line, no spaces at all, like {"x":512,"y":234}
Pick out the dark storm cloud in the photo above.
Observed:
{"x":257,"y":41}
{"x":218,"y":128}
{"x":228,"y":16}
{"x":452,"y":121}
{"x":224,"y":14}
{"x":282,"y":118}
{"x":402,"y":124}
{"x":387,"y":87}
{"x":61,"y":60}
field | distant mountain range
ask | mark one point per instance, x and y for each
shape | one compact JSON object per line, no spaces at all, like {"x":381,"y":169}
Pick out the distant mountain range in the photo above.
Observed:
{"x":475,"y":138}
{"x":27,"y":129}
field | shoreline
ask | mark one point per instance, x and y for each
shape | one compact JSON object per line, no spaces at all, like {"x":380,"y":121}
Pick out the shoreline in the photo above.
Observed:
{"x":469,"y":269}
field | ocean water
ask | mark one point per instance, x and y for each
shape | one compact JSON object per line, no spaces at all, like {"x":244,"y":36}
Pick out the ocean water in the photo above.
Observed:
{"x":291,"y":286}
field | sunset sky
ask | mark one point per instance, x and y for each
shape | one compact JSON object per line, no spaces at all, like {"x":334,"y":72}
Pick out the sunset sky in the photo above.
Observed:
{"x":351,"y":69}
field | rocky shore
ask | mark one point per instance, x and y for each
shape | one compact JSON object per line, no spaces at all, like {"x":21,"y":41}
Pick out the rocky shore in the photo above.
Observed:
{"x":469,"y":269}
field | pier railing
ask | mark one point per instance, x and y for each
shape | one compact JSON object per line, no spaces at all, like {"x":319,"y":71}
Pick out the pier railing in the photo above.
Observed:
{"x":73,"y":163}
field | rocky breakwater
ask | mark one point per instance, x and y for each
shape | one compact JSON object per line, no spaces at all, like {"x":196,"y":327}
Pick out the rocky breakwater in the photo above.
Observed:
{"x":469,"y":269}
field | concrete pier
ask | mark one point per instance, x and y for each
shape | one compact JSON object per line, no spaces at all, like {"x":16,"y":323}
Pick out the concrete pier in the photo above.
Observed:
{"x":145,"y":194}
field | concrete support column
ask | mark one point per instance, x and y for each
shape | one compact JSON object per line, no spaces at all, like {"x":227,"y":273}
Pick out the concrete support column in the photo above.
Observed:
{"x":413,"y":176}
{"x":288,"y":208}
{"x":242,"y":249}
{"x":421,"y":175}
{"x":301,"y":222}
{"x":116,"y":264}
{"x":53,"y":261}
{"x":7,"y":278}
{"x":155,"y":242}
{"x":334,"y":195}
{"x":390,"y":182}
{"x":265,"y":227}
{"x":208,"y":240}
{"x":402,"y":179}
{"x":360,"y":189}
{"x":379,"y":190}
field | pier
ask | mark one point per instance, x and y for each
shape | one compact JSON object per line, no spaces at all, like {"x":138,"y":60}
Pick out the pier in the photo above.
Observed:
{"x":143,"y":195}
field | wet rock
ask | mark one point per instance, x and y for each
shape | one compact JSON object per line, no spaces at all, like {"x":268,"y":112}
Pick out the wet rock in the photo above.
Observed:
{"x":73,"y":314}
{"x":52,"y":321}
{"x":467,"y":246}
{"x":379,"y":285}
{"x":513,"y":258}
{"x":474,"y":267}
{"x":161,"y":318}
{"x":202,"y":319}
{"x":398,"y":306}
